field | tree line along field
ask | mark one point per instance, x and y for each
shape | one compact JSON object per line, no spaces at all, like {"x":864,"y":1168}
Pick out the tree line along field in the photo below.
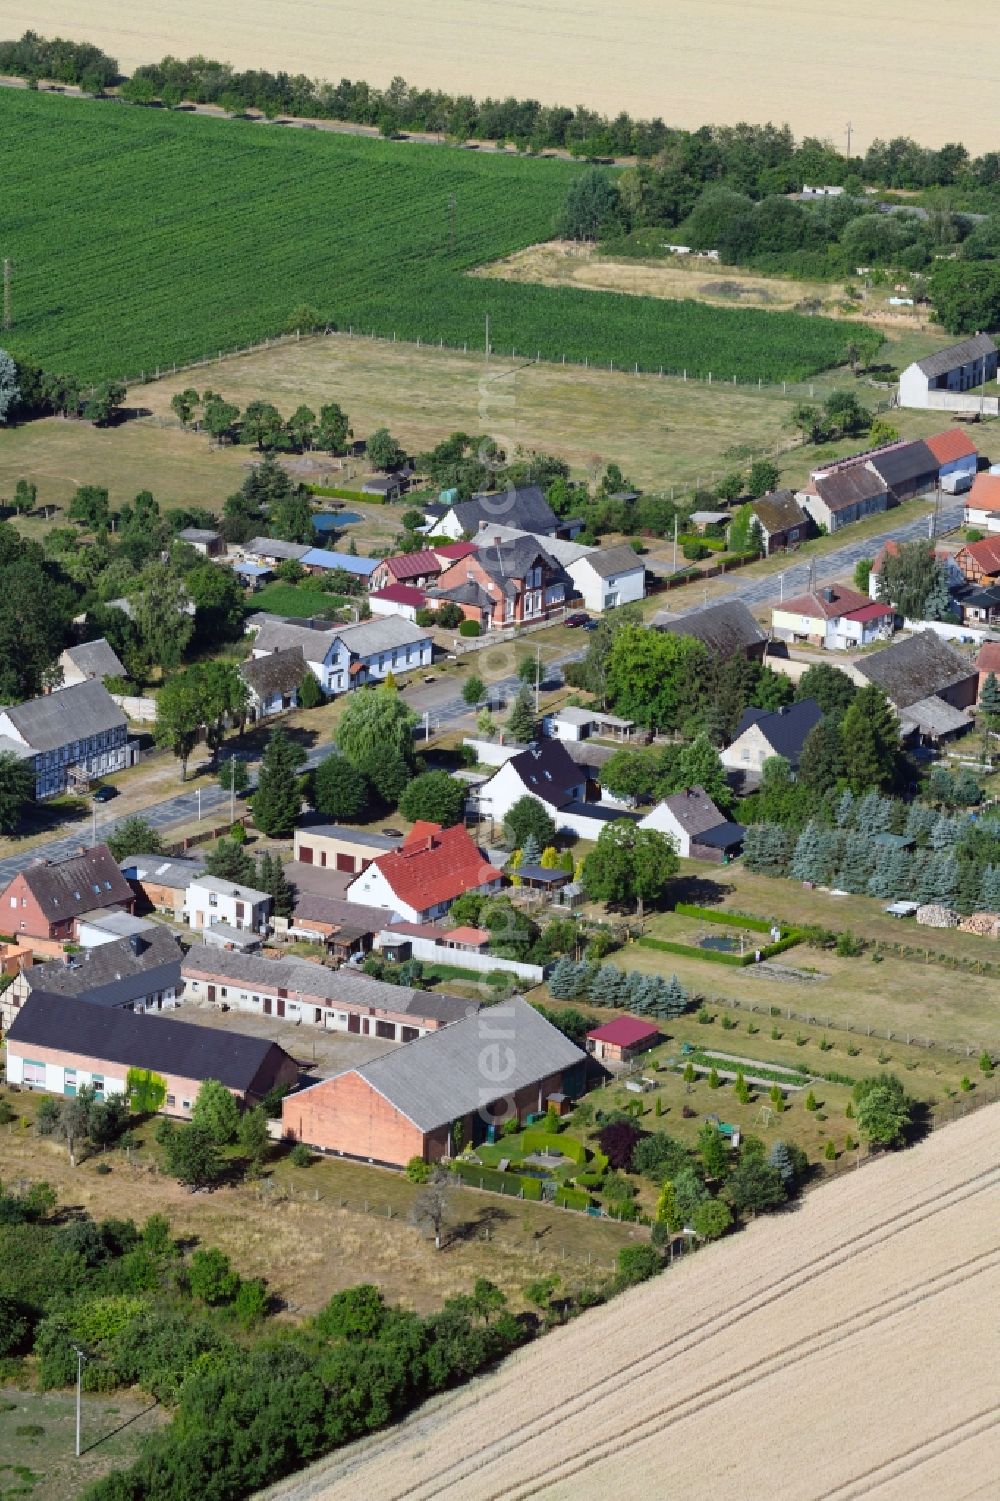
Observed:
{"x":144,"y":238}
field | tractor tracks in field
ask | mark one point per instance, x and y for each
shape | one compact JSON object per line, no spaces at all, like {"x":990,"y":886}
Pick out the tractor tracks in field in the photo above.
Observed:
{"x":663,"y":1355}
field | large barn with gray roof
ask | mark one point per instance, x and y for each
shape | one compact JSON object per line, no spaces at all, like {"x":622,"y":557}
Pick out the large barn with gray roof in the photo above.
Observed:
{"x":505,"y":1062}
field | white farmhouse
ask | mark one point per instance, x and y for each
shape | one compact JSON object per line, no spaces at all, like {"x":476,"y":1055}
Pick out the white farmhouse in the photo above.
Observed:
{"x":209,"y":900}
{"x":953,"y":379}
{"x":350,"y":656}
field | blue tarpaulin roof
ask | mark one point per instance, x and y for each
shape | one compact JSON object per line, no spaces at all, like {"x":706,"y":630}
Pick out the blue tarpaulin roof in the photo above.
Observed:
{"x":318,"y":557}
{"x":252,"y":570}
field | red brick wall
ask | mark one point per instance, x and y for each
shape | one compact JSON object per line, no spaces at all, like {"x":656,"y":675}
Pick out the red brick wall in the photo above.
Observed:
{"x":28,"y":919}
{"x":346,"y":1115}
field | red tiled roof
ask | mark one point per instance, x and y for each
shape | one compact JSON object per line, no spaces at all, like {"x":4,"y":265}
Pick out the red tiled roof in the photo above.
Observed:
{"x":454,"y":551}
{"x":411,"y":565}
{"x":951,"y":445}
{"x":401,"y":594}
{"x":816,"y":604}
{"x":471,"y":937}
{"x":873,"y":611}
{"x":435,"y":865}
{"x":985,"y":493}
{"x":988,"y":659}
{"x":889,"y":549}
{"x":624,"y":1031}
{"x":985,"y":553}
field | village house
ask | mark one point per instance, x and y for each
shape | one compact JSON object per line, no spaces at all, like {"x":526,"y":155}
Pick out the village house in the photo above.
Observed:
{"x":607,"y":577}
{"x":160,"y":882}
{"x":209,"y":543}
{"x":296,"y":990}
{"x":834,"y":617}
{"x":524,"y":508}
{"x":429,"y":871}
{"x":44,"y":900}
{"x":697,"y":829}
{"x":573,"y":724}
{"x":68,"y":738}
{"x":951,"y":379}
{"x":839,"y":498}
{"x":210,"y":900}
{"x":451,"y":552}
{"x":418,"y":569}
{"x":762,"y":733}
{"x":349,"y":656}
{"x":546,"y":772}
{"x":505,"y":584}
{"x":398,"y":599}
{"x":978,"y":605}
{"x":424,"y":1099}
{"x":91,"y":661}
{"x":320,"y":916}
{"x":61,"y":1044}
{"x":339,"y":848}
{"x":782,"y":521}
{"x":621,"y":1041}
{"x":982,"y":504}
{"x":930,"y":684}
{"x":979,"y":562}
{"x":141,"y":972}
{"x":273,"y":682}
{"x":726,"y":630}
{"x":274,"y":550}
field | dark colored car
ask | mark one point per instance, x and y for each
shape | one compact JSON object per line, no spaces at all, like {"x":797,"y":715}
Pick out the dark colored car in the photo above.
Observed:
{"x":578,"y":619}
{"x":590,"y":625}
{"x":105,"y":794}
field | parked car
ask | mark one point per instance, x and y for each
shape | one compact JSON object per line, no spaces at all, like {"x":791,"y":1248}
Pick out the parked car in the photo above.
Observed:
{"x":578,"y":618}
{"x":105,"y":794}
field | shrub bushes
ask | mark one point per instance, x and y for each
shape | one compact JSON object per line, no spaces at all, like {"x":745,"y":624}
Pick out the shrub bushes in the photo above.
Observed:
{"x":503,"y":1183}
{"x":470,"y":628}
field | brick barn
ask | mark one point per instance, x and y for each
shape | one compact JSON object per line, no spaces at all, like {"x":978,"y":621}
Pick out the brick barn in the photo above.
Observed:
{"x":505,"y":1061}
{"x":45,"y":900}
{"x":623,"y":1039}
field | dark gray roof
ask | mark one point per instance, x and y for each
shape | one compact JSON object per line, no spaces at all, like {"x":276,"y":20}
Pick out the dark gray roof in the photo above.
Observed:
{"x":601,"y":812}
{"x":336,"y":911}
{"x":439,"y":1077}
{"x":784,"y":729}
{"x":724,"y":836}
{"x":66,"y":888}
{"x":849,"y":487}
{"x":694,"y":810}
{"x":525,"y":508}
{"x":275,"y":547}
{"x":335,"y":986}
{"x":197,"y":534}
{"x":725,"y":629}
{"x":96,"y":659}
{"x":549,"y":771}
{"x":917,"y":668}
{"x":469,"y":593}
{"x":114,"y":974}
{"x":906,"y":464}
{"x":72,"y":1026}
{"x":73,"y":713}
{"x":956,"y":355}
{"x":281,"y":672}
{"x":779,"y":511}
{"x":514,"y":558}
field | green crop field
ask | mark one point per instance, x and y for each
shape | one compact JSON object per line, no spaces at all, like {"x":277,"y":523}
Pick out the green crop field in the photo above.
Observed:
{"x":141,"y":238}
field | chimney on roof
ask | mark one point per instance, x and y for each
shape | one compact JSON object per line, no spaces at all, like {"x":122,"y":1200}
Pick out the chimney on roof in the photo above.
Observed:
{"x":483,"y":525}
{"x":827,"y":595}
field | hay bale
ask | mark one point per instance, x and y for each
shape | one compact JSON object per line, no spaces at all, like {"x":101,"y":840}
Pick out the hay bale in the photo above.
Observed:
{"x":931,"y":915}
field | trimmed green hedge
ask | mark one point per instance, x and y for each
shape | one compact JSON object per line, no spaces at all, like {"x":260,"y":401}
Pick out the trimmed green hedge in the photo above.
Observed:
{"x":733,"y":919}
{"x":544,"y":1141}
{"x":512,"y":1184}
{"x":334,"y":492}
{"x":691,"y":951}
{"x":573,"y":1198}
{"x":714,"y":544}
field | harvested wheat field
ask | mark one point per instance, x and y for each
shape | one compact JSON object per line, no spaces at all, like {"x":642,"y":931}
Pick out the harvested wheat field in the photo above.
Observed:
{"x":813,"y":65}
{"x":849,"y":1349}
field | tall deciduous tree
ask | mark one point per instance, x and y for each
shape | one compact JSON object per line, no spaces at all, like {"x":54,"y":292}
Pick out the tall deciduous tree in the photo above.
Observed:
{"x":340,"y":790}
{"x":525,"y":818}
{"x":334,"y":428}
{"x":217,"y":1112}
{"x":178,"y":718}
{"x":383,"y":450}
{"x":883,"y":1110}
{"x":629,"y":866}
{"x":134,"y":836}
{"x":17,"y":788}
{"x":376,"y":721}
{"x":654,"y":677}
{"x":434,"y":796}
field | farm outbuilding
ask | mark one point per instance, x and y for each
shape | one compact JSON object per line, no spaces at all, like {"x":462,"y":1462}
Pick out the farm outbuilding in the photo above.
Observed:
{"x":623,"y":1039}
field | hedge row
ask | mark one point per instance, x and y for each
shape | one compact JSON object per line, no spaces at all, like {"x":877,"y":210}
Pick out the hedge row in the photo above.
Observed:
{"x":334,"y":492}
{"x":573,"y":1198}
{"x":547,"y":1141}
{"x":501,"y":1183}
{"x":714,"y":956}
{"x":733,"y":919}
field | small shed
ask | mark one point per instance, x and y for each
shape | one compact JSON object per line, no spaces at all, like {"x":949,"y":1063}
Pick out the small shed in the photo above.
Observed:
{"x":538,"y":878}
{"x":253,"y":575}
{"x":623,"y":1039}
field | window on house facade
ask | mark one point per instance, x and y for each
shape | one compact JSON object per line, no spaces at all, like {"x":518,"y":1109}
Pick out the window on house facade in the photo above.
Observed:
{"x":34,"y":1074}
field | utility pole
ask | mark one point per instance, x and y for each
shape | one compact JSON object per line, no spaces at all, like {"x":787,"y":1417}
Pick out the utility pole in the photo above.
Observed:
{"x":80,"y":1358}
{"x":232,"y":789}
{"x":538,"y":672}
{"x":849,"y":140}
{"x":675,"y":542}
{"x":8,"y":278}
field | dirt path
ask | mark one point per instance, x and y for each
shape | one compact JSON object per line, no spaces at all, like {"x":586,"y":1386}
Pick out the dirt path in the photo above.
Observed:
{"x":795,"y":1361}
